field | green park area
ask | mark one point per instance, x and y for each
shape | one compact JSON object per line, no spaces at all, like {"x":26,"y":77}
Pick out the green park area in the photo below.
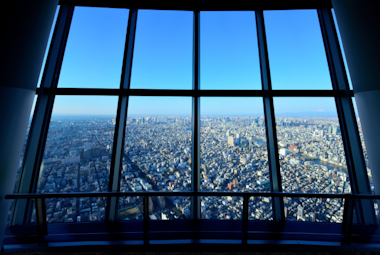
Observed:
{"x":129,"y":213}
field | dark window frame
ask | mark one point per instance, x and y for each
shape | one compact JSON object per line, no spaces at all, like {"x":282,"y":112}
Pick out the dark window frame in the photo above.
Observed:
{"x":340,"y":92}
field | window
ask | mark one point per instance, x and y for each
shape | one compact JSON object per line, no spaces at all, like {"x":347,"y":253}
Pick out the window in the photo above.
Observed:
{"x":166,"y":118}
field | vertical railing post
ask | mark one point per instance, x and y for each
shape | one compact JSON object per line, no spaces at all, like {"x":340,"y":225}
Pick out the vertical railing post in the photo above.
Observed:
{"x":245,"y":219}
{"x":146,"y":219}
{"x":347,"y":219}
{"x":41,"y":219}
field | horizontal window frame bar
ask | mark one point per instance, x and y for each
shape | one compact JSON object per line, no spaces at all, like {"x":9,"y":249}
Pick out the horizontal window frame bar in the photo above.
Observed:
{"x":187,"y":193}
{"x":237,"y":6}
{"x":202,"y":93}
{"x":193,"y":93}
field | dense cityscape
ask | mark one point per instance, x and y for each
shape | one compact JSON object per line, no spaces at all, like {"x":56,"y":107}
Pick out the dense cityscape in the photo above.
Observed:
{"x":157,"y":156}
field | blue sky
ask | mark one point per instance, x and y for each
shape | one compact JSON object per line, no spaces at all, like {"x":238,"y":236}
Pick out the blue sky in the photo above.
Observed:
{"x":296,"y":53}
{"x":163,"y":60}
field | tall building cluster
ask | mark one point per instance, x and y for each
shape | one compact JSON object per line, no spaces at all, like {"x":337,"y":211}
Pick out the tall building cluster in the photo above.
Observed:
{"x":157,"y":157}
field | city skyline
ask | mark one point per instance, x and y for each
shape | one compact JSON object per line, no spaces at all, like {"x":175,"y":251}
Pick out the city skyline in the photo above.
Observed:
{"x":157,"y":156}
{"x":106,"y":105}
{"x":318,"y":112}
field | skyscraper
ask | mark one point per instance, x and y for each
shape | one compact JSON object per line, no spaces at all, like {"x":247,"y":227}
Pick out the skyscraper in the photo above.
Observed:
{"x":237,"y":139}
{"x":299,"y":212}
{"x":231,"y":141}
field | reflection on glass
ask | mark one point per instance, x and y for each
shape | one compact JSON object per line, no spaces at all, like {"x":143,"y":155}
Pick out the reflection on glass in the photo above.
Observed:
{"x":233,"y":145}
{"x":157,"y":149}
{"x":364,"y":203}
{"x":66,"y":210}
{"x":77,"y":155}
{"x":130,"y":208}
{"x":369,"y":172}
{"x":229,"y":53}
{"x":341,"y":49}
{"x":354,"y":216}
{"x":21,"y":159}
{"x":95,"y":48}
{"x":83,"y":209}
{"x":162,"y":57}
{"x":222,"y":208}
{"x":10,"y":210}
{"x":376,"y":207}
{"x":310,"y":146}
{"x":365,"y":154}
{"x":296,"y":51}
{"x":48,"y":46}
{"x":314,"y":209}
{"x":169,"y":208}
{"x":260,"y":208}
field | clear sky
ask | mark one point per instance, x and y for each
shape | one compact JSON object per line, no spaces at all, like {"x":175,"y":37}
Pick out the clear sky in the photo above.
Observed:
{"x":163,"y":60}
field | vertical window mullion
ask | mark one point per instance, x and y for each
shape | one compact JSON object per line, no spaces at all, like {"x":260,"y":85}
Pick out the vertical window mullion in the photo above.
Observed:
{"x":121,"y":117}
{"x":270,"y":122}
{"x":41,"y":118}
{"x":195,"y":182}
{"x":350,"y":134}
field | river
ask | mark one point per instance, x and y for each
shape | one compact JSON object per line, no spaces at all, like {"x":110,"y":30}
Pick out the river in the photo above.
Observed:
{"x":315,"y":161}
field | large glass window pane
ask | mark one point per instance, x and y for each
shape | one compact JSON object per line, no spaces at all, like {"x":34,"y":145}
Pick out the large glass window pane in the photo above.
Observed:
{"x":311,"y":151}
{"x":157,"y":150}
{"x":130,"y":208}
{"x":169,"y":208}
{"x":48,"y":46}
{"x":77,"y":155}
{"x":162,"y":57}
{"x":312,"y":209}
{"x":234,"y":155}
{"x":95,"y":48}
{"x":229,"y":53}
{"x":66,"y":210}
{"x":222,"y":208}
{"x":260,"y":208}
{"x":233,"y":145}
{"x":296,"y":51}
